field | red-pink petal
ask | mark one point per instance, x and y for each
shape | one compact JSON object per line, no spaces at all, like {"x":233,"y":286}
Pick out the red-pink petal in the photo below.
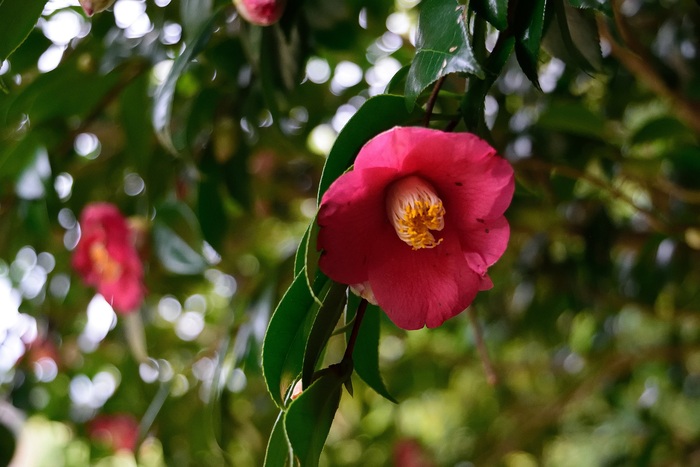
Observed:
{"x":484,"y":244}
{"x":351,"y":215}
{"x":417,"y":288}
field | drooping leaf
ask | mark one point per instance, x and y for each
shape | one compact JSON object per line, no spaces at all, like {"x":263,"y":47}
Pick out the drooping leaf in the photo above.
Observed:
{"x":300,"y":256}
{"x":365,"y":356}
{"x":194,"y":14}
{"x":326,"y":319}
{"x":312,"y":254}
{"x":279,"y":451}
{"x":17,"y":19}
{"x":442,"y":47}
{"x":572,"y":118}
{"x":377,"y":114}
{"x":529,"y":25}
{"x":210,"y":207}
{"x":573,"y":37}
{"x":178,"y":239}
{"x":310,"y":416}
{"x":286,"y":336}
{"x":163,"y":99}
{"x":493,"y":11}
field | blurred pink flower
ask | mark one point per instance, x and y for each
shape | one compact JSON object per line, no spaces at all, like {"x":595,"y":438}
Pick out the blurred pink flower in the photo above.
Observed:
{"x":261,"y":12}
{"x":415,"y":225}
{"x":119,"y":431}
{"x":106,"y":258}
{"x":409,"y":453}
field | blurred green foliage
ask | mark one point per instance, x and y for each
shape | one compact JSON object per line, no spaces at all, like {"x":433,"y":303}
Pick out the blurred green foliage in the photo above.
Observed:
{"x":212,"y":134}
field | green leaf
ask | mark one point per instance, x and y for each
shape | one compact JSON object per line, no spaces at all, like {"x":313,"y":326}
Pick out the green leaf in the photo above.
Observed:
{"x":210,"y":207}
{"x":326,"y":319}
{"x":286,"y":336}
{"x":194,"y":14}
{"x":310,"y":416}
{"x":135,"y":122}
{"x":529,"y":27}
{"x":300,"y":256}
{"x":312,"y":254}
{"x":17,"y":19}
{"x":377,"y":114}
{"x":493,"y":11}
{"x":662,"y":128}
{"x":572,"y":118}
{"x":574,"y":38}
{"x":163,"y":99}
{"x":178,"y":240}
{"x":279,"y":451}
{"x":442,"y":47}
{"x":365,"y":356}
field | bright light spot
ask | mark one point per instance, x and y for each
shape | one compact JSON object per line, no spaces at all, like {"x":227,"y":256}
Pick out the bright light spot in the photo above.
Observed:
{"x":46,"y":260}
{"x":104,"y":385}
{"x":321,"y":139}
{"x":196,"y":303}
{"x":59,"y":286}
{"x":490,"y":110}
{"x":550,"y":74}
{"x":149,"y":371}
{"x":31,"y":183}
{"x":55,"y":5}
{"x":362,"y":18}
{"x":45,"y":369}
{"x":237,"y":381}
{"x":189,"y":326}
{"x":398,"y":23}
{"x":133,"y":184}
{"x":224,"y":285}
{"x":573,"y":363}
{"x":127,"y":12}
{"x":50,"y":59}
{"x":169,"y":308}
{"x":161,"y":70}
{"x":346,"y":75}
{"x":665,"y":252}
{"x":33,"y":282}
{"x":172,"y":33}
{"x":66,"y":218}
{"x":342,"y":115}
{"x":63,"y":184}
{"x":62,"y":27}
{"x":162,"y":3}
{"x":389,"y":42}
{"x":4,"y":67}
{"x":203,"y":369}
{"x":309,"y":207}
{"x":391,"y":348}
{"x":87,"y":145}
{"x":317,"y":70}
{"x":101,"y":319}
{"x":25,"y":259}
{"x":381,"y":73}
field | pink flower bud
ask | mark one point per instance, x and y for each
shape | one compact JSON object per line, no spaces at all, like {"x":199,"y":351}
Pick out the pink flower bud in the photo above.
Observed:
{"x":261,"y":12}
{"x":95,"y":6}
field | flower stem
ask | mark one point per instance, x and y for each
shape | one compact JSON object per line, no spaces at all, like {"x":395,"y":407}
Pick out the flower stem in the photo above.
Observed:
{"x":355,"y":330}
{"x":491,"y":376}
{"x":431,"y":101}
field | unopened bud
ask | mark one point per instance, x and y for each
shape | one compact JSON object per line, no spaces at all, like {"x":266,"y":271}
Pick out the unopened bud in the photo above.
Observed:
{"x":298,"y":389}
{"x":95,"y":6}
{"x":260,"y":12}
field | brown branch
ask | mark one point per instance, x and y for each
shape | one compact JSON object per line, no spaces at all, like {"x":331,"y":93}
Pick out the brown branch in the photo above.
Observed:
{"x":633,"y":60}
{"x":431,"y":101}
{"x":491,"y":376}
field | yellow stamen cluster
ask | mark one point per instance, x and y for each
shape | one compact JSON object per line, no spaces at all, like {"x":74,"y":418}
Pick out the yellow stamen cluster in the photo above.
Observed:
{"x":108,"y":269}
{"x":414,"y":209}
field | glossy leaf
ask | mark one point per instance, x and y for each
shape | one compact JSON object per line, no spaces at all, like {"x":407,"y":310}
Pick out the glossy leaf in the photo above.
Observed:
{"x":574,"y":38}
{"x":286,"y":336}
{"x":163,"y":99}
{"x":312,"y":254}
{"x":139,"y":143}
{"x":17,"y":19}
{"x":662,"y":128}
{"x":310,"y":416}
{"x":530,"y":19}
{"x":178,"y":240}
{"x":279,"y":451}
{"x":300,"y":256}
{"x":377,"y":114}
{"x":442,"y":47}
{"x":365,"y":356}
{"x":493,"y":11}
{"x":326,"y":319}
{"x":210,"y":207}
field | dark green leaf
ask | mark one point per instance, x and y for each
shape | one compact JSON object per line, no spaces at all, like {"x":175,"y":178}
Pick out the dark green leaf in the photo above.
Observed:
{"x":17,"y":19}
{"x":300,"y":257}
{"x":365,"y":356}
{"x":135,"y":121}
{"x":312,"y":254}
{"x":377,"y":114}
{"x":178,"y":240}
{"x":574,"y":38}
{"x":286,"y":336}
{"x":194,"y":14}
{"x":310,"y":416}
{"x":442,"y":47}
{"x":210,"y":206}
{"x":662,"y":128}
{"x":326,"y":320}
{"x":163,"y":99}
{"x":529,"y":28}
{"x":279,"y":451}
{"x":493,"y":11}
{"x":572,"y":118}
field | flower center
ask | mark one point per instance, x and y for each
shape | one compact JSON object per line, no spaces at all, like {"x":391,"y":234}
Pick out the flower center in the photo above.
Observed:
{"x":414,"y":209}
{"x":106,"y":267}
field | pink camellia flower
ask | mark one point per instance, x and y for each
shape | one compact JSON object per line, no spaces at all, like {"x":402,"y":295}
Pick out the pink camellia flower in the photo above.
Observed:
{"x":261,"y":12}
{"x":118,"y":431}
{"x":415,"y":225}
{"x":106,"y":258}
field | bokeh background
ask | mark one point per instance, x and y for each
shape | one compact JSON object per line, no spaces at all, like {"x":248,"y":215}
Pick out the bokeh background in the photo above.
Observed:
{"x":593,"y":324}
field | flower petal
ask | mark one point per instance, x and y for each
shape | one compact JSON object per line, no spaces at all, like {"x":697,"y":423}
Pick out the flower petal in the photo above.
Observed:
{"x":351,"y":215}
{"x":423,"y":287}
{"x":484,"y":244}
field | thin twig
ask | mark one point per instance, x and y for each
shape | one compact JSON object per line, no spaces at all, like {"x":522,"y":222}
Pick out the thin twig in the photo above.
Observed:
{"x":491,"y":376}
{"x":431,"y":101}
{"x":355,"y":330}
